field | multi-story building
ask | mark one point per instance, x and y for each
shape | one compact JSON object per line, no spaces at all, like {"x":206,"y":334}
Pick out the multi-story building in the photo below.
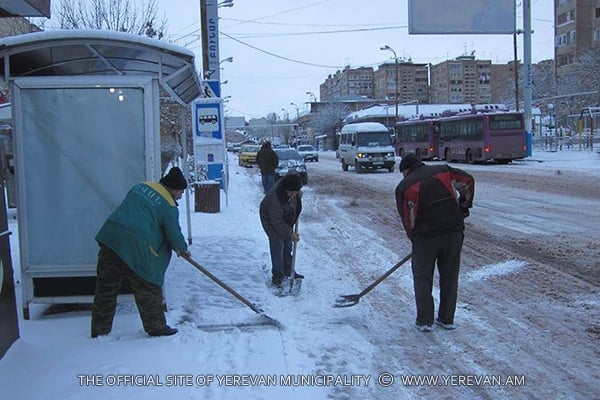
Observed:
{"x":577,"y":29}
{"x":413,"y":82}
{"x":350,"y":81}
{"x":12,"y":26}
{"x":462,"y":80}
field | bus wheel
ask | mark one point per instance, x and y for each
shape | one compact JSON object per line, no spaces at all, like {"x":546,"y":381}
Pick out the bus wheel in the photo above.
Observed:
{"x":469,"y":157}
{"x":344,"y":165}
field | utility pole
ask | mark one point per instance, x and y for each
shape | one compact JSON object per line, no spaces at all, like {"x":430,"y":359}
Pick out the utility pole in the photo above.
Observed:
{"x":528,"y":74}
{"x":209,"y":28}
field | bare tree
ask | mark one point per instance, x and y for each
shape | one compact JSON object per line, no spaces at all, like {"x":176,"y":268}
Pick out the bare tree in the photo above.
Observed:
{"x":582,"y":83}
{"x":327,"y":119}
{"x":139,"y":17}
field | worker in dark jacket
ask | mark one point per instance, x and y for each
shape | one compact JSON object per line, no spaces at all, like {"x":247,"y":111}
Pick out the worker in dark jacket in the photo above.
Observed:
{"x":433,"y":202}
{"x":136,"y":242}
{"x":279,"y":211}
{"x":267,"y":161}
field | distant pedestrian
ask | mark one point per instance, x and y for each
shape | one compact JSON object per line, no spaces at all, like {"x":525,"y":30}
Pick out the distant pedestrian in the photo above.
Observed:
{"x":267,"y":161}
{"x":433,"y":202}
{"x":136,"y":242}
{"x":279,"y":211}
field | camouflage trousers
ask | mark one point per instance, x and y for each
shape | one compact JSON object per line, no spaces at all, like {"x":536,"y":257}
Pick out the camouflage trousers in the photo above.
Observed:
{"x":111,"y":270}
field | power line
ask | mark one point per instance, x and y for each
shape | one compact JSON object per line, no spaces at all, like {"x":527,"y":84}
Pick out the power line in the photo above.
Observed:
{"x":276,"y":55}
{"x":260,"y":35}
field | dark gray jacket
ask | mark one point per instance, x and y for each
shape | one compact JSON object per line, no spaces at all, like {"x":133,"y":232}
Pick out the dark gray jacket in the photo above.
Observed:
{"x":278,"y":213}
{"x":267,"y":160}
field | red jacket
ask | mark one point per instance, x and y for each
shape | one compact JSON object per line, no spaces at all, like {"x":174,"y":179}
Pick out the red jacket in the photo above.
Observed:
{"x":433,"y":200}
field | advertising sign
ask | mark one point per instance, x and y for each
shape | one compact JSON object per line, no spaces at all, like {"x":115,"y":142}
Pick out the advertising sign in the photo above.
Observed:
{"x":461,"y":16}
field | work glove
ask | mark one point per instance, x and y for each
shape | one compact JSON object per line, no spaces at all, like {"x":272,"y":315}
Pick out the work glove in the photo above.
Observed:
{"x":465,"y":212}
{"x":295,"y":236}
{"x":185,"y":254}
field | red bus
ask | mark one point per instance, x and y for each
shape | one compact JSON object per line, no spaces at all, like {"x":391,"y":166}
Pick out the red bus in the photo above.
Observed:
{"x":419,"y":136}
{"x":498,"y":136}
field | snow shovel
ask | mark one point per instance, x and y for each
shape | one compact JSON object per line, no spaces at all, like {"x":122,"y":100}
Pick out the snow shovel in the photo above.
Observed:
{"x":350,"y":300}
{"x":292,"y":284}
{"x":238,"y":296}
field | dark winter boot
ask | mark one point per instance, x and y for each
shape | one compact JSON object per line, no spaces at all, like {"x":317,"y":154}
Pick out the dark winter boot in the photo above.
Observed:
{"x":165,"y":331}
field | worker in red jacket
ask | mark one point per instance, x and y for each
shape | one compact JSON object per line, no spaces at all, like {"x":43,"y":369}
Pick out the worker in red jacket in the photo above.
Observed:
{"x":433,"y":202}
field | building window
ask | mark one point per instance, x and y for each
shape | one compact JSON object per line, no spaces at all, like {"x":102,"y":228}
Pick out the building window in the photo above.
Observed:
{"x":598,"y":12}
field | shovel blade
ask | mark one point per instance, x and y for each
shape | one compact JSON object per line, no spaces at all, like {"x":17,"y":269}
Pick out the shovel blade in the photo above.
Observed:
{"x":348,"y":300}
{"x":290,"y":286}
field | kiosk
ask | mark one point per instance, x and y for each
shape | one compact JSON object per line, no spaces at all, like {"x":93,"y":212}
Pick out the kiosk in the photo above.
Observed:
{"x":85,"y":113}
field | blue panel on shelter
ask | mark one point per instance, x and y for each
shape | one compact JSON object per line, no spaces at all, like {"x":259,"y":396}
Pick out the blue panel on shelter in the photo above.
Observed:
{"x":215,"y":173}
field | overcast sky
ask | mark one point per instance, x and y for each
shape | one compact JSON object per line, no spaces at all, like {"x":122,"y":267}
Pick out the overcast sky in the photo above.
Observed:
{"x":283,"y":49}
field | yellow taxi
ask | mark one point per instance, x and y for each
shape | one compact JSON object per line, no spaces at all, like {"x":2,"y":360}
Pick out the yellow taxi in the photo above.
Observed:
{"x":248,"y":153}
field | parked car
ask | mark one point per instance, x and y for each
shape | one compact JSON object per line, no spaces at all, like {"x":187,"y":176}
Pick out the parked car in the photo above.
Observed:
{"x":247,"y":156}
{"x":308,"y":152}
{"x":291,"y":161}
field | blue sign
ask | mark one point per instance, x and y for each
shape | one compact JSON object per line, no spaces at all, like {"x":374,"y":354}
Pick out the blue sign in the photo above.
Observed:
{"x":212,"y":88}
{"x":207,"y":118}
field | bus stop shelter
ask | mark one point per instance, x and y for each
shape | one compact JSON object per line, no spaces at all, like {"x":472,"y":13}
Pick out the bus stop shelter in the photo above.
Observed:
{"x":85,"y":116}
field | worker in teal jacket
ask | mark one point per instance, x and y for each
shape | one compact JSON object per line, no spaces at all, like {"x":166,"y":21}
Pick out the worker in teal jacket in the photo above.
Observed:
{"x":136,"y":242}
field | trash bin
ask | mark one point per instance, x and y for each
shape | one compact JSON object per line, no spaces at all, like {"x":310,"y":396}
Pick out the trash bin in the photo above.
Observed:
{"x":207,"y":197}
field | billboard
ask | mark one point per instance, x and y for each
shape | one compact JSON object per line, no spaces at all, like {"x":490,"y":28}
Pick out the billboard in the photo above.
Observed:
{"x":461,"y":16}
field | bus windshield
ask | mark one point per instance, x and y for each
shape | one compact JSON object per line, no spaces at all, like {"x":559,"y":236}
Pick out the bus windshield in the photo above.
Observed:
{"x":505,"y":122}
{"x":373,"y":139}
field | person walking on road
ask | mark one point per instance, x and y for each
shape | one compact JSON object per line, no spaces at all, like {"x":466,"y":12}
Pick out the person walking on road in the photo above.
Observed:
{"x":279,"y":211}
{"x":433,"y":202}
{"x":267,"y":161}
{"x":136,"y":242}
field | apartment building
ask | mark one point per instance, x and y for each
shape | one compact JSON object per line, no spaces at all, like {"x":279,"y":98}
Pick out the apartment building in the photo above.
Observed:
{"x":462,"y":80}
{"x":413,"y":82}
{"x":577,"y":29}
{"x":349,"y":82}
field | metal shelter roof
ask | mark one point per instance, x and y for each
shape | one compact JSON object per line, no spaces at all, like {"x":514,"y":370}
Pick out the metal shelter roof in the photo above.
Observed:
{"x":98,"y":52}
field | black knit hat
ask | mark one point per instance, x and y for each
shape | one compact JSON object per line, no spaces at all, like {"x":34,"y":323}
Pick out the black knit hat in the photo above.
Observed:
{"x":408,"y":161}
{"x":174,"y":179}
{"x":292,"y":182}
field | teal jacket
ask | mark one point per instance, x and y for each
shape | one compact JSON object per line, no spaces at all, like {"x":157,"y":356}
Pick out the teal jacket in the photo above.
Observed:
{"x":143,"y":231}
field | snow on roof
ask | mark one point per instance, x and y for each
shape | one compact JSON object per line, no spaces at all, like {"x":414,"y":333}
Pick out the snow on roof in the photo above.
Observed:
{"x":406,"y":111}
{"x":100,"y":52}
{"x":91,"y":34}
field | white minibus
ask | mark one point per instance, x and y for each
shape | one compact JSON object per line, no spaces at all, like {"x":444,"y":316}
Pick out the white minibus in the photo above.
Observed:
{"x":366,"y":145}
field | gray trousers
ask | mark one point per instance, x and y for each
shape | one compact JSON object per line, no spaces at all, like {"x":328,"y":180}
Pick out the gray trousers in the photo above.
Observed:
{"x":426,"y":252}
{"x":111,"y":270}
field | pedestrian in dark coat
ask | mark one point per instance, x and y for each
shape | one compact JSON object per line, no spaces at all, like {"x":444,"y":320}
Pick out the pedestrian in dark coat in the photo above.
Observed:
{"x":267,"y":160}
{"x":136,"y":243}
{"x":279,"y":211}
{"x":433,"y":202}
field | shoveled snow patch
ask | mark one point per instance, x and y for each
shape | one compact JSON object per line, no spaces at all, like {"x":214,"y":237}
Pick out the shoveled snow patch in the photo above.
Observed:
{"x":493,"y":270}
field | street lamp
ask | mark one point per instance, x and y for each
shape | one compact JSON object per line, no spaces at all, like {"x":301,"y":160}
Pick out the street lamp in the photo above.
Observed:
{"x":312,"y":96}
{"x":225,"y":3}
{"x":386,"y":47}
{"x":297,"y":111}
{"x":209,"y":73}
